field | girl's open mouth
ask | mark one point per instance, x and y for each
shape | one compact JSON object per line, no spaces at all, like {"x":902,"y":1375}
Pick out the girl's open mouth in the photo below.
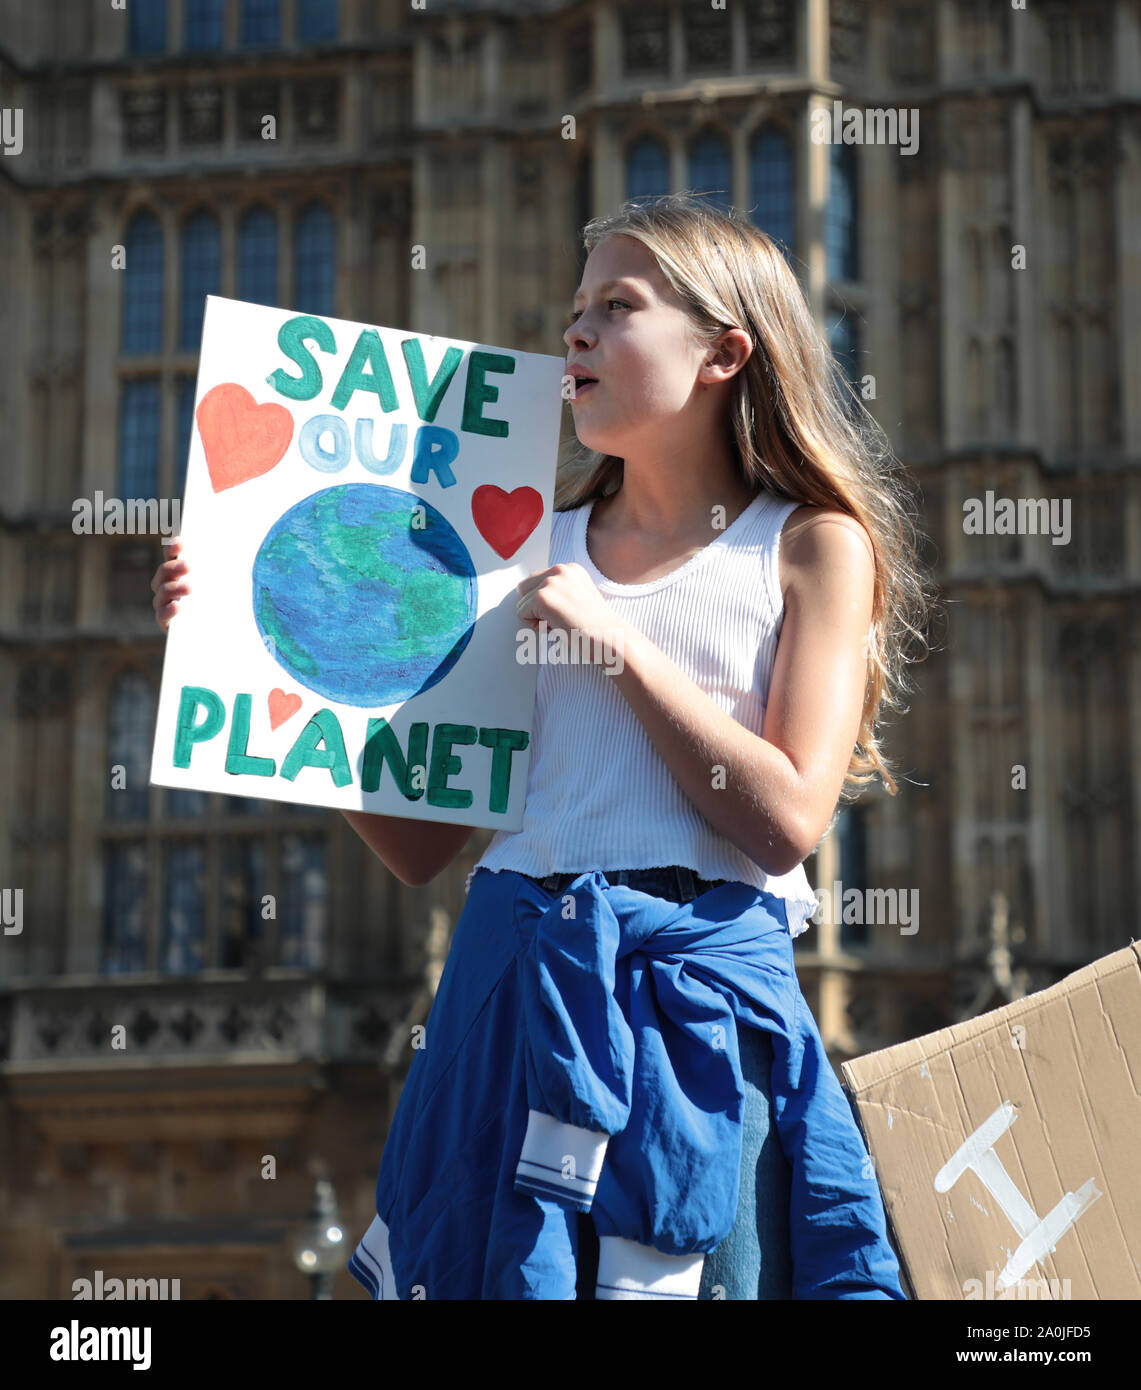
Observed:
{"x":582,"y":386}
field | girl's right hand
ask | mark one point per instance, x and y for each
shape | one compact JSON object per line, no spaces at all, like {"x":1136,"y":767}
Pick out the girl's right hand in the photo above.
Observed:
{"x":169,"y":583}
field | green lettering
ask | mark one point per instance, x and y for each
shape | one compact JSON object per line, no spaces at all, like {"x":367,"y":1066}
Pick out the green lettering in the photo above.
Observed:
{"x":237,"y":759}
{"x":504,"y":742}
{"x":477,"y":392}
{"x":291,"y":338}
{"x":305,"y":753}
{"x":186,"y":732}
{"x":368,"y":351}
{"x":444,"y":765}
{"x":428,"y":395}
{"x":382,"y":746}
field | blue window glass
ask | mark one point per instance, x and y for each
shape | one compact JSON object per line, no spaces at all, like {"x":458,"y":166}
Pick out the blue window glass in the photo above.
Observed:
{"x":124,"y":909}
{"x":841,"y":218}
{"x":261,"y":21}
{"x":138,"y":438}
{"x":317,"y":19}
{"x":130,"y":725}
{"x":184,"y":910}
{"x":647,"y":168}
{"x":203,"y":24}
{"x":710,"y":169}
{"x":142,"y":285}
{"x":772,"y":187}
{"x":851,"y":836}
{"x":182,"y":803}
{"x":184,"y":420}
{"x":257,"y":257}
{"x":302,"y":903}
{"x":146,"y":21}
{"x":314,"y":253}
{"x":201,"y":274}
{"x":243,"y":887}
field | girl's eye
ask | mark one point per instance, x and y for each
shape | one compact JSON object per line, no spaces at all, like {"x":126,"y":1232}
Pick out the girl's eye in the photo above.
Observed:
{"x":575,"y":312}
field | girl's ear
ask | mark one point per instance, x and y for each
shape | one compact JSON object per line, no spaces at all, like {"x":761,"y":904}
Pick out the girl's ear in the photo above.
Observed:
{"x":723,"y":354}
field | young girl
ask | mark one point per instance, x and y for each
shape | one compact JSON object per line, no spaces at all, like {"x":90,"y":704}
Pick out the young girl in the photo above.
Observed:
{"x":621,"y":1092}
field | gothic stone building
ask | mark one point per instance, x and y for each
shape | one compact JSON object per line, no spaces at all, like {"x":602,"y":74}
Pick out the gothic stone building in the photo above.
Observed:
{"x":983,"y":288}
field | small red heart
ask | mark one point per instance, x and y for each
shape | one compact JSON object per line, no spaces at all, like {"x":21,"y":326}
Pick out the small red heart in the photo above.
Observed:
{"x":282,"y":707}
{"x":242,"y":439}
{"x":506,"y":519}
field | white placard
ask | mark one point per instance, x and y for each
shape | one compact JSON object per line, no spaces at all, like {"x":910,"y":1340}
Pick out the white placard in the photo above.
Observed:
{"x":361,"y":504}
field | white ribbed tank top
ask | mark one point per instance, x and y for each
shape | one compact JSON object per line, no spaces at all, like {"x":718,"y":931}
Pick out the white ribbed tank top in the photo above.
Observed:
{"x":599,"y":795}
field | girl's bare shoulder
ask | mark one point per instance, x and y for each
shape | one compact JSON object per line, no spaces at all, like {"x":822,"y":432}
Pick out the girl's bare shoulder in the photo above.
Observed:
{"x":814,"y":536}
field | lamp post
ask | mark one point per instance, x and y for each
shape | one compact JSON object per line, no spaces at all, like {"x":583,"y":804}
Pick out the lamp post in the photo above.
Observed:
{"x":317,"y":1245}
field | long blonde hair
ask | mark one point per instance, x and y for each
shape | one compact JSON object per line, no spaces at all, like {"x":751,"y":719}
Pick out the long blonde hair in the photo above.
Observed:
{"x":798,"y":428}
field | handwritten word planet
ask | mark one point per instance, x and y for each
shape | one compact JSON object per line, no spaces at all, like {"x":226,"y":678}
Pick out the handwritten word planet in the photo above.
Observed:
{"x":367,"y":592}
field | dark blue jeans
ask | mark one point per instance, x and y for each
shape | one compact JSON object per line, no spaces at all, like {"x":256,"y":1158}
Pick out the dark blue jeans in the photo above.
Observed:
{"x":754,"y":1259}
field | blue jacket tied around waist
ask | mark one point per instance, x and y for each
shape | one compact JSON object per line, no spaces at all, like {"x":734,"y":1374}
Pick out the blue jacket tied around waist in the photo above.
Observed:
{"x":621,"y":1094}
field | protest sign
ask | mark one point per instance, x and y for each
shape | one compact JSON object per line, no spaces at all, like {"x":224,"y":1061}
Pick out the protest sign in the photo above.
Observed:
{"x":361,"y":504}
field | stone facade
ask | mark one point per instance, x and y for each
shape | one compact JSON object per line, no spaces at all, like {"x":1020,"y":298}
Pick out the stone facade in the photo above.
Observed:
{"x":138,"y":1108}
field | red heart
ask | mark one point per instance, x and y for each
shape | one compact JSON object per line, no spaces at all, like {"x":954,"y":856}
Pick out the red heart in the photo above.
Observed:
{"x":282,"y":707}
{"x":242,"y":439}
{"x":506,"y":519}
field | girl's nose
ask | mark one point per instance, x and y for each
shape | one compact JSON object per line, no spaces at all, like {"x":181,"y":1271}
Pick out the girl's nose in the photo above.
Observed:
{"x":575,"y":333}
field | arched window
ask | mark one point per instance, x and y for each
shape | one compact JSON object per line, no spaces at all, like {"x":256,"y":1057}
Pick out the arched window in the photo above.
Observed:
{"x":142,"y":285}
{"x":772,"y":186}
{"x":841,"y":219}
{"x":124,"y":908}
{"x":242,"y":932}
{"x":130,"y":730}
{"x":146,"y":20}
{"x":184,"y":909}
{"x":261,"y":21}
{"x":204,"y":29}
{"x":257,"y":257}
{"x":316,"y":19}
{"x":314,"y":253}
{"x":647,"y":168}
{"x":711,"y":169}
{"x":138,"y":438}
{"x":303,"y":898}
{"x":183,"y":421}
{"x":201,"y":274}
{"x":182,"y":803}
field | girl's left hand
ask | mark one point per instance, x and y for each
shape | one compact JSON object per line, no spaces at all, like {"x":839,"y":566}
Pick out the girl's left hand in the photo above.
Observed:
{"x":566,"y":597}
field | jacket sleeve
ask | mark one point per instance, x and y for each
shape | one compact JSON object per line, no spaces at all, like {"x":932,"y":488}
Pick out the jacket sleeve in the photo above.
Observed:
{"x":578,"y":1048}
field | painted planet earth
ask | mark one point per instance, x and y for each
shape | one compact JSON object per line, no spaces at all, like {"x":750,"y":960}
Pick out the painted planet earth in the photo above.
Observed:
{"x":367,"y":592}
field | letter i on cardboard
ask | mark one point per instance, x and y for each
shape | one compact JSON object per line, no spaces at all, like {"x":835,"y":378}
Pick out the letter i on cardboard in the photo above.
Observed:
{"x":361,"y":504}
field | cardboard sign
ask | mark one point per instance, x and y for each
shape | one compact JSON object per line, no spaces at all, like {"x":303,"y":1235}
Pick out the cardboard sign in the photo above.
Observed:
{"x":1006,"y":1147}
{"x":361,"y":504}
